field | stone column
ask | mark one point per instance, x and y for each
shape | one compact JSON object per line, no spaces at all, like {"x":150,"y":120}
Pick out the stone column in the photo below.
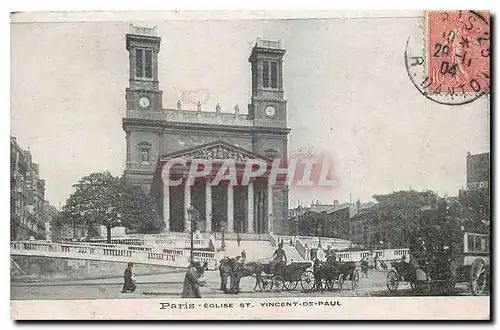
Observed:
{"x":270,"y":207}
{"x":187,"y":205}
{"x":166,"y":205}
{"x":230,"y":208}
{"x":250,"y":211}
{"x":208,"y":205}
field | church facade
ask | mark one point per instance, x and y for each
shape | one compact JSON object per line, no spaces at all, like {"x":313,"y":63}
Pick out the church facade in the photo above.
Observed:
{"x":154,"y":135}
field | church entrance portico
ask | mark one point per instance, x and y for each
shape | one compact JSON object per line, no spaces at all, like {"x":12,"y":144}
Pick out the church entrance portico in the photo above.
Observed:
{"x":222,"y":205}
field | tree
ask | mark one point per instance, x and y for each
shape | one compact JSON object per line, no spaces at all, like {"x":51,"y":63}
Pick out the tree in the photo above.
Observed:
{"x":72,"y":212}
{"x":96,"y":201}
{"x":476,"y":210}
{"x":400,"y":213}
{"x":140,"y":211}
{"x":102,"y":199}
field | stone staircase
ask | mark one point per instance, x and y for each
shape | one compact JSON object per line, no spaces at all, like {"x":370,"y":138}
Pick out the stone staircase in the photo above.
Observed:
{"x":255,"y":250}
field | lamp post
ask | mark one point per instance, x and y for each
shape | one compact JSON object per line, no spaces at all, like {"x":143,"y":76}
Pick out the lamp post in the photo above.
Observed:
{"x":192,"y":212}
{"x":223,"y":242}
{"x":318,"y":228}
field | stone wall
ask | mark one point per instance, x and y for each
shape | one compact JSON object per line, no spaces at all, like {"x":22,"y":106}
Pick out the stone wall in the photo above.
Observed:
{"x":35,"y":269}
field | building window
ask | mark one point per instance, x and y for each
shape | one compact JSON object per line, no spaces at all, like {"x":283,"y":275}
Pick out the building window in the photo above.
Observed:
{"x":270,"y":74}
{"x":265,"y":74}
{"x":18,"y":207}
{"x":274,"y":75}
{"x":144,"y":63}
{"x":149,"y":64}
{"x":138,"y":62}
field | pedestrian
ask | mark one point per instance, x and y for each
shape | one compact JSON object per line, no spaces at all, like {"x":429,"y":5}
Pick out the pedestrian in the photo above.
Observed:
{"x":364,"y":267}
{"x":238,"y":239}
{"x":375,"y":262}
{"x":243,"y":257}
{"x":234,"y":285}
{"x":193,"y":281}
{"x":128,"y":279}
{"x":225,"y":271}
{"x":320,"y":253}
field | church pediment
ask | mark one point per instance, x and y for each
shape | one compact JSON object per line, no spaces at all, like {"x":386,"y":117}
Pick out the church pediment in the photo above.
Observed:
{"x":217,"y":151}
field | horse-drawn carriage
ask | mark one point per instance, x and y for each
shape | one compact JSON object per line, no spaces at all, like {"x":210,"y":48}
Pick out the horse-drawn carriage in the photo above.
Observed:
{"x":272,"y":277}
{"x":312,"y":276}
{"x":332,"y":271}
{"x":439,"y":261}
{"x":286,"y":276}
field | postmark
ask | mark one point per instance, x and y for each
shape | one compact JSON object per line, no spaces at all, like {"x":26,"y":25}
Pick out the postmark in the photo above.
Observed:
{"x":450,"y":63}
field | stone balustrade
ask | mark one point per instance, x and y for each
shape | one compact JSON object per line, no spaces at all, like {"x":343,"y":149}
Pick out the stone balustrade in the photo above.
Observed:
{"x":150,"y":241}
{"x":387,"y":255}
{"x":107,"y":252}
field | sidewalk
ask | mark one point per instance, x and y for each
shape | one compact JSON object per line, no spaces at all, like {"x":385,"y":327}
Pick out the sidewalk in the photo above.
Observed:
{"x":169,"y":278}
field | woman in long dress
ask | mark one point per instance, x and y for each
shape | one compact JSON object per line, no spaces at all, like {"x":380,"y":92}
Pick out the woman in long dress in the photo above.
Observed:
{"x":128,"y":281}
{"x":193,"y":281}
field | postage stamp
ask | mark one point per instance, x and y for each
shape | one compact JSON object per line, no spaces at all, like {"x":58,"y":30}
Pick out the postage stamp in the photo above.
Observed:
{"x":454,"y":63}
{"x":212,"y":165}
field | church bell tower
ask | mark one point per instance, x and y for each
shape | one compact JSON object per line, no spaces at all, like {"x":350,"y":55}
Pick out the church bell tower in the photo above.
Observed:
{"x":143,"y":92}
{"x":268,"y":106}
{"x":143,"y":105}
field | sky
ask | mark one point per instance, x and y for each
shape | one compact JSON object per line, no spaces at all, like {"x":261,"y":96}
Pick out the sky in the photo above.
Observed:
{"x":345,"y":81}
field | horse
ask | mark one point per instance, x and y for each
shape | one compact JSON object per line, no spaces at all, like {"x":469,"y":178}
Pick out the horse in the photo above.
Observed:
{"x":330,"y":270}
{"x":228,"y":269}
{"x":237,"y":271}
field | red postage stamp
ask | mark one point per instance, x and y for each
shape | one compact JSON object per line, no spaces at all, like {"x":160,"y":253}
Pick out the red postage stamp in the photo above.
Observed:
{"x":458,"y":51}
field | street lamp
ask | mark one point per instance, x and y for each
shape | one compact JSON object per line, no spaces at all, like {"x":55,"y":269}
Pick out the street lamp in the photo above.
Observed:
{"x":319,"y":228}
{"x":223,"y":242}
{"x":192,"y":212}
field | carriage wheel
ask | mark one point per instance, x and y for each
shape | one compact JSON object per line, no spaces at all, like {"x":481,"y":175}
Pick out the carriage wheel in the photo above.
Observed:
{"x":427,"y":287}
{"x":267,"y":284}
{"x":414,"y":286}
{"x":355,"y":279}
{"x":291,"y":285}
{"x":450,"y":284}
{"x":307,"y":281}
{"x":329,"y":284}
{"x":341,"y":281}
{"x":392,"y":281}
{"x":278,"y":283}
{"x":478,"y":277}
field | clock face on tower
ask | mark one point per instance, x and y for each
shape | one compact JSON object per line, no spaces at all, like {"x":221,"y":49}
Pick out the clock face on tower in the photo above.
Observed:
{"x":144,"y":102}
{"x":270,"y":112}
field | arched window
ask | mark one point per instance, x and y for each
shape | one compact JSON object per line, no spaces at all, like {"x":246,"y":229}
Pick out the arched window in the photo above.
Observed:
{"x":144,"y":152}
